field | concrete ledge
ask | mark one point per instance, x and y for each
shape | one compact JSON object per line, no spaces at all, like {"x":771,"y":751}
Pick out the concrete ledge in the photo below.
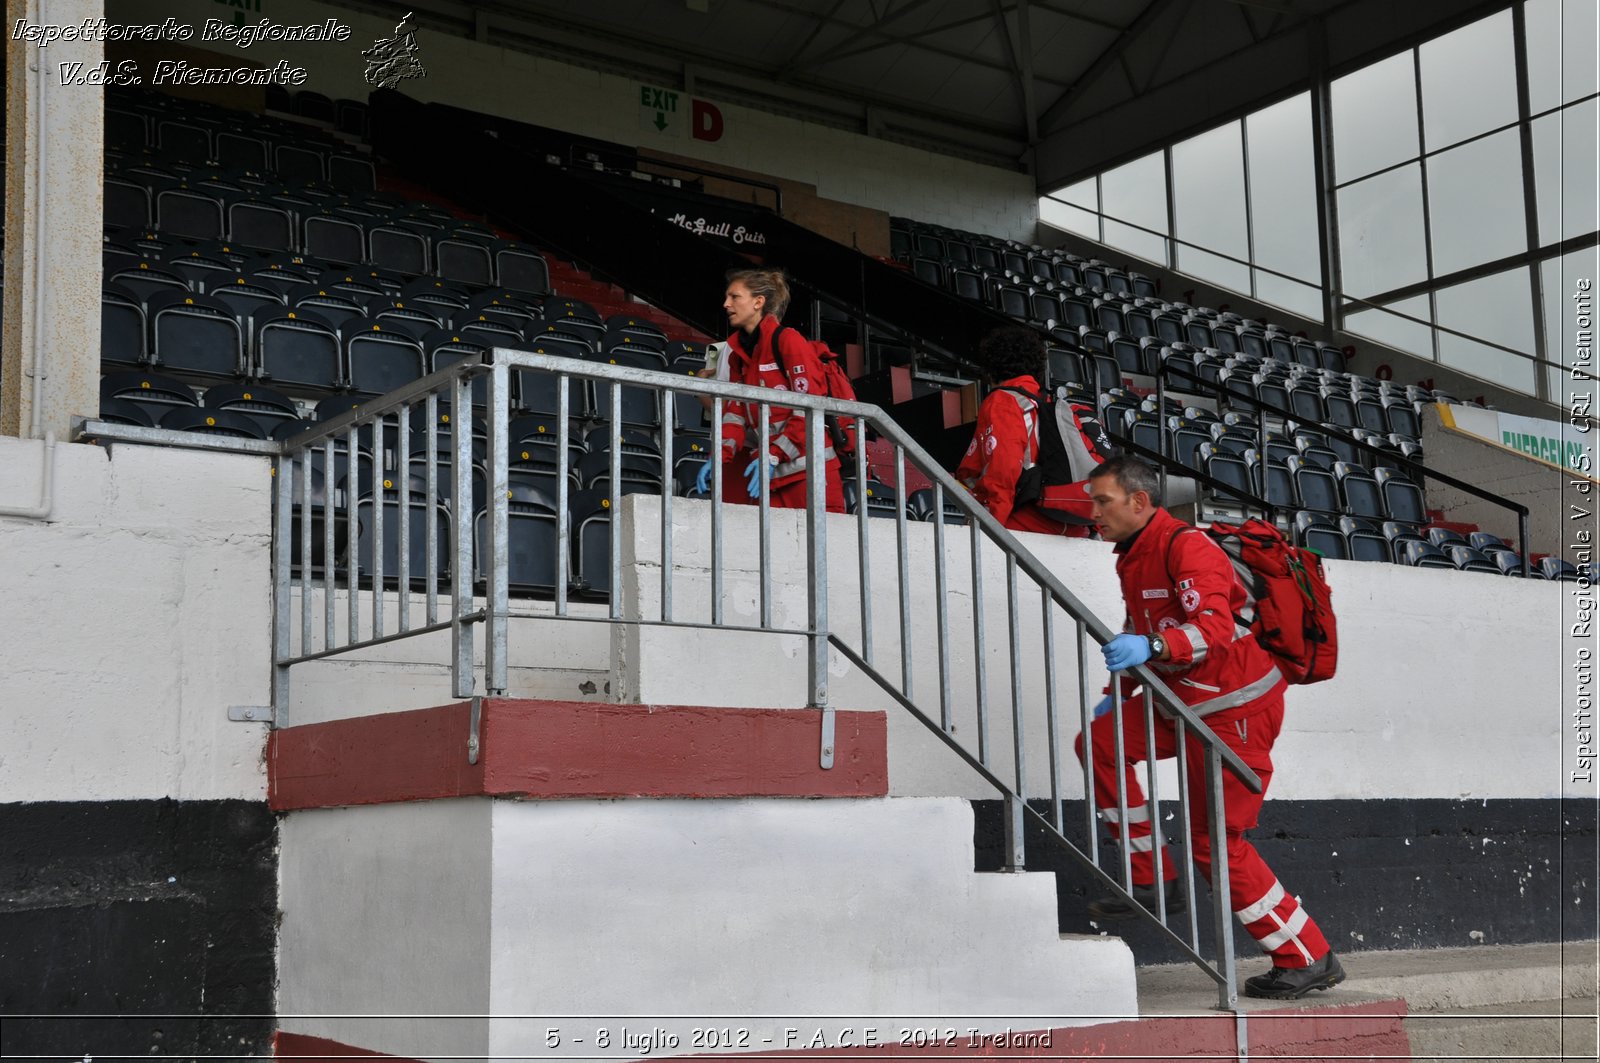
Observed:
{"x":566,"y":749}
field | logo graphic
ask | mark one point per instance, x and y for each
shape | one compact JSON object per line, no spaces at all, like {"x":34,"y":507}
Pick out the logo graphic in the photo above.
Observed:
{"x":1190,"y":599}
{"x":391,"y":60}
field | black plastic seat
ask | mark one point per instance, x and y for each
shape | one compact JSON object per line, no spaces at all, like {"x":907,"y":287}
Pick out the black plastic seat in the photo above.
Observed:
{"x":919,"y":506}
{"x":463,"y":259}
{"x":212,"y":422}
{"x":1361,"y":494}
{"x":192,"y":333}
{"x":333,"y":237}
{"x":1468,"y":559}
{"x":1403,"y":499}
{"x":122,"y":328}
{"x":1419,"y":553}
{"x":1557,"y":568}
{"x":267,"y":407}
{"x":396,"y":247}
{"x":297,"y":349}
{"x":383,"y":356}
{"x":256,"y":223}
{"x":122,"y":411}
{"x":1315,"y":487}
{"x":521,"y":269}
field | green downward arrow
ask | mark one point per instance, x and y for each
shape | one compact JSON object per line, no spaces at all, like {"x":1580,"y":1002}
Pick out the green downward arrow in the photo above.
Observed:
{"x":661,"y":120}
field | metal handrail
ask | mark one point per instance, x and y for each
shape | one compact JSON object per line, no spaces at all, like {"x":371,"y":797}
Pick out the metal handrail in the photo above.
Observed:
{"x":448,"y":512}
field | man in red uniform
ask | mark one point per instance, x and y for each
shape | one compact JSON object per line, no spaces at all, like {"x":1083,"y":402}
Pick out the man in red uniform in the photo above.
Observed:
{"x":1006,"y":440}
{"x":1182,"y":597}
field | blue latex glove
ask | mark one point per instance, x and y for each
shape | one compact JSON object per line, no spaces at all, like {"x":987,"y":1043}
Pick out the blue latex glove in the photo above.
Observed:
{"x":1126,"y":651}
{"x":702,"y":483}
{"x":1103,"y":708}
{"x":756,"y":471}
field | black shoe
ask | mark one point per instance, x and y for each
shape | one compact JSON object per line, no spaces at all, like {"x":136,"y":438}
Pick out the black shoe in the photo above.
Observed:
{"x":1111,"y":909}
{"x":1292,"y":983}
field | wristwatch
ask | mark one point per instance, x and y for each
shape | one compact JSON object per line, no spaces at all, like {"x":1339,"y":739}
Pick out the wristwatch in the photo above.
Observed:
{"x":1158,"y":646}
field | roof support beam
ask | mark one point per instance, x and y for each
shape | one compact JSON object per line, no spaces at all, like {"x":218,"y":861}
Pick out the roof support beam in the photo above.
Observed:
{"x":1107,"y":58}
{"x":1020,"y":45}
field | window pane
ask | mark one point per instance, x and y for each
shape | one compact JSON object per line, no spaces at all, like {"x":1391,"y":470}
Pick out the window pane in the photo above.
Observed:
{"x":1137,"y":193}
{"x":1498,"y":309}
{"x":1381,"y":245}
{"x":1218,"y":270}
{"x":1208,"y":188}
{"x":1469,"y":82}
{"x":1561,"y":59}
{"x":1283,"y":190}
{"x":1397,"y":332}
{"x":1559,"y":279}
{"x":1302,"y":299}
{"x":1150,"y":248}
{"x":1085,"y":194}
{"x":1564,"y":149}
{"x":1475,"y":206}
{"x":1072,"y":219}
{"x":1375,"y":117}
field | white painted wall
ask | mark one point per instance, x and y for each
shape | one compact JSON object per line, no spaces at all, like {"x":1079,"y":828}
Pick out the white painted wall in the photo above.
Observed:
{"x":134,"y":617}
{"x":1436,"y":667}
{"x":386,"y":927}
{"x":844,"y":166}
{"x":140,"y":612}
{"x":673,"y":914}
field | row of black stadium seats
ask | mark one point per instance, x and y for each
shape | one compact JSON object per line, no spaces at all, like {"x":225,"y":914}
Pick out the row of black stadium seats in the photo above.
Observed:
{"x":295,"y":153}
{"x":140,"y":307}
{"x":341,"y":234}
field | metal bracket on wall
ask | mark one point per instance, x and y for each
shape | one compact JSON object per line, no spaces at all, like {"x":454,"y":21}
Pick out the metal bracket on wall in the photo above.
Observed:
{"x":1241,"y":1033}
{"x":250,"y":713}
{"x":472,"y":730}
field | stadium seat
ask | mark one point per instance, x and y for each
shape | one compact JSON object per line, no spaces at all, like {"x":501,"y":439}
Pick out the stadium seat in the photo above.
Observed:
{"x":919,"y":506}
{"x":383,"y":356}
{"x":395,"y":247}
{"x":296,"y":349}
{"x":522,"y":269}
{"x":1468,"y":559}
{"x":1315,"y":487}
{"x":417,"y":511}
{"x":212,"y":422}
{"x":122,"y":327}
{"x":1556,"y":568}
{"x":121,"y":411}
{"x":1419,"y":553}
{"x":1361,"y":494}
{"x":464,"y":259}
{"x":1314,"y":532}
{"x":192,"y":333}
{"x":532,"y":536}
{"x":333,"y":237}
{"x":1402,"y":498}
{"x":267,"y":407}
{"x":189,"y":212}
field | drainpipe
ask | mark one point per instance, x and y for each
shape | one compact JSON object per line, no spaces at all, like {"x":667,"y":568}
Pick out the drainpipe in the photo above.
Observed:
{"x":47,"y":500}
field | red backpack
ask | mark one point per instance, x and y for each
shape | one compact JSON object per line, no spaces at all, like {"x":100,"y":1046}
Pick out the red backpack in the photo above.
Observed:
{"x":1291,"y":605}
{"x":836,"y":384}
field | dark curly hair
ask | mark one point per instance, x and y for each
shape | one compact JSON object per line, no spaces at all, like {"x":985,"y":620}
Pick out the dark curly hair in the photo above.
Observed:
{"x":1012,"y":351}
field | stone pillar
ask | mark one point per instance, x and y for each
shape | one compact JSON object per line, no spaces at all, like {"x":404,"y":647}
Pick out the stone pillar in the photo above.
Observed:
{"x":53,"y":223}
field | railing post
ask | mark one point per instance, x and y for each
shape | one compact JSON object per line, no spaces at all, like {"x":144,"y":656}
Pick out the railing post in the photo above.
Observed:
{"x":817,"y":576}
{"x":282,"y":609}
{"x":463,"y":660}
{"x":497,"y":567}
{"x":1222,"y":906}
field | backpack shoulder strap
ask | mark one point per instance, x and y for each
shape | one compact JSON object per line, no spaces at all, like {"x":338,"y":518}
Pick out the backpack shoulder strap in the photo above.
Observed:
{"x":1168,"y":560}
{"x":1033,"y":430}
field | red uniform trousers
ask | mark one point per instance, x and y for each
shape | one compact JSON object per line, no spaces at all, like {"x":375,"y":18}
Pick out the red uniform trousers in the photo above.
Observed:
{"x":787,"y":494}
{"x":1273,"y":916}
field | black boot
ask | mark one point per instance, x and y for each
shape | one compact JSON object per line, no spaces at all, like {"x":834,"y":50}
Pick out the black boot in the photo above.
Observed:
{"x":1111,"y":909}
{"x":1292,"y":983}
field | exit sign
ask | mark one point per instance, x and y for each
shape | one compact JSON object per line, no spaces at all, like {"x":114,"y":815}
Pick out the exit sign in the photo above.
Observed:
{"x":659,"y":110}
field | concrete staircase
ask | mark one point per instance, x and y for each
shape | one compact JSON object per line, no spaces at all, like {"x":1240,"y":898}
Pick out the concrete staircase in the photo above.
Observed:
{"x":1485,"y":1003}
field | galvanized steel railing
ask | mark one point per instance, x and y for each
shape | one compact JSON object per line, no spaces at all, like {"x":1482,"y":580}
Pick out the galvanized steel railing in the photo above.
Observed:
{"x":353,"y":532}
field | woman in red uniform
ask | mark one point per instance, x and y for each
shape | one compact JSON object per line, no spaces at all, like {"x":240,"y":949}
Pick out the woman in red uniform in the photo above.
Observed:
{"x":763,"y":353}
{"x":1007,"y":437}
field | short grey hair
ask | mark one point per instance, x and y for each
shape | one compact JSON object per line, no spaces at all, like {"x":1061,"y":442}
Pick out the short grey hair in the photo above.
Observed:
{"x":1132,"y":474}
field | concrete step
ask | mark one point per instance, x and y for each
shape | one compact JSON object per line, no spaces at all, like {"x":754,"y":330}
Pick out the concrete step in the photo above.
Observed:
{"x":1562,"y":1029}
{"x":1428,"y":980}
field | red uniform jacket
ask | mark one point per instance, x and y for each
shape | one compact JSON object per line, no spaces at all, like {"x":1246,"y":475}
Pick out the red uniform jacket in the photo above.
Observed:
{"x":1005,"y":439}
{"x":798,"y":370}
{"x":1182,"y":586}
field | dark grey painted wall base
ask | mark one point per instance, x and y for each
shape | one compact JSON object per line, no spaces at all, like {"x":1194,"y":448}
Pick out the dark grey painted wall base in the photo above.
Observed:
{"x":1376,"y":874}
{"x":160,"y":915}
